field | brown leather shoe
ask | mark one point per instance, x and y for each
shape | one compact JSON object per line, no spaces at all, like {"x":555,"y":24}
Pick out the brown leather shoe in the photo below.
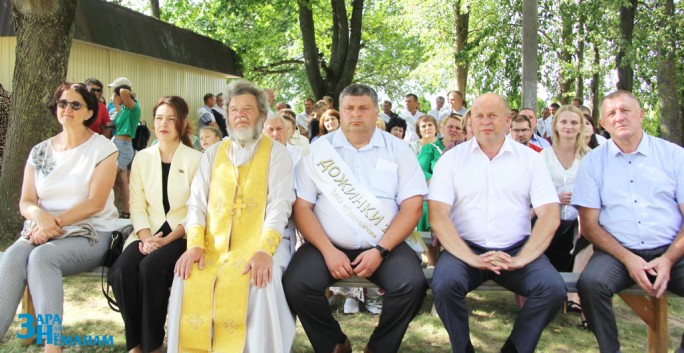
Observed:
{"x":342,"y":347}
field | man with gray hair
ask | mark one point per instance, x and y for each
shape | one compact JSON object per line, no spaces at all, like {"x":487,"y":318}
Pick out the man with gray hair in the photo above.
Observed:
{"x":359,"y":196}
{"x":240,"y":202}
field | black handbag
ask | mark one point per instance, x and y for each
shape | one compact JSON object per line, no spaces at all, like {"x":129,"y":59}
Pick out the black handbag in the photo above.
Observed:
{"x":115,"y":249}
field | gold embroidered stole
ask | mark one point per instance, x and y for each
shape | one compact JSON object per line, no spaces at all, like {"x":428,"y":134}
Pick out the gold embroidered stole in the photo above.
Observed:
{"x":215,"y":299}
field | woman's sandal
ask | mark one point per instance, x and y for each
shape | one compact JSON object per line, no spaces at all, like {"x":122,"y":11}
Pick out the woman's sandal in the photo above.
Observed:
{"x":572,"y":307}
{"x":584,"y":324}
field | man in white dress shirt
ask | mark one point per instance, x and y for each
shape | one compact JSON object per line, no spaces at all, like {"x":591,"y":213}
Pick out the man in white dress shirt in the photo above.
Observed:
{"x":439,"y":104}
{"x":411,"y":114}
{"x":359,"y":196}
{"x":303,"y":117}
{"x":455,"y":105}
{"x":481,"y":215}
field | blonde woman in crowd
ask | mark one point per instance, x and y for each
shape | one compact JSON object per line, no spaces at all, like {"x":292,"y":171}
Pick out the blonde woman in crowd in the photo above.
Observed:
{"x":563,"y":160}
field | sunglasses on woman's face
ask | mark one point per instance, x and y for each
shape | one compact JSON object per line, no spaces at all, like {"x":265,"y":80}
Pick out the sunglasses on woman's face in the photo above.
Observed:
{"x":62,"y":104}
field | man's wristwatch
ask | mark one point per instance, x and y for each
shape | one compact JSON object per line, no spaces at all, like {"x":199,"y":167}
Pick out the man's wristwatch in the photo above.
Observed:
{"x":383,"y":252}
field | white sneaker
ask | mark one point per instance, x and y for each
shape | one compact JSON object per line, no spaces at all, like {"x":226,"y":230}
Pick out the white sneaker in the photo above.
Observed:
{"x":351,"y":306}
{"x":374,"y":309}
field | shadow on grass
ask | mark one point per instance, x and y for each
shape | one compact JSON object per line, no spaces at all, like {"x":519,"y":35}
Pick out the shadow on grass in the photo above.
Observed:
{"x":492,"y":315}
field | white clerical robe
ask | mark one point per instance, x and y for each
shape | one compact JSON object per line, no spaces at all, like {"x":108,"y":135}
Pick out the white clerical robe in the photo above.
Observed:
{"x":270,"y":323}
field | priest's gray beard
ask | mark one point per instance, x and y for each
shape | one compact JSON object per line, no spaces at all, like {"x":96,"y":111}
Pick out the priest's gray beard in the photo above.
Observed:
{"x":244,"y":135}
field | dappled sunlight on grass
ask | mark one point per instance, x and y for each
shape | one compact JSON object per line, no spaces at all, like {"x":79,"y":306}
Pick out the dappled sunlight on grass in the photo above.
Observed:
{"x":491,"y":319}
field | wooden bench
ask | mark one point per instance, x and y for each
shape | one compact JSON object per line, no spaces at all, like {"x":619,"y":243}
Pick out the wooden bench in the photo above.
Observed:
{"x":651,"y":310}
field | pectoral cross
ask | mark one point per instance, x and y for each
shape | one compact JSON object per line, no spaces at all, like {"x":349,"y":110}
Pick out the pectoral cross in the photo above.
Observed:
{"x":238,"y":205}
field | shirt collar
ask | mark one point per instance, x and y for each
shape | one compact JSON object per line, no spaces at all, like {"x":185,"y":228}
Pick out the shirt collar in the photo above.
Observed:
{"x":506,"y":147}
{"x":340,"y":140}
{"x":242,"y":155}
{"x":644,"y":147}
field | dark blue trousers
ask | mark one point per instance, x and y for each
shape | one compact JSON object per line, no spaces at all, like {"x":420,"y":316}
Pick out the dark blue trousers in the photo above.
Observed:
{"x":604,"y":276}
{"x":539,"y":281}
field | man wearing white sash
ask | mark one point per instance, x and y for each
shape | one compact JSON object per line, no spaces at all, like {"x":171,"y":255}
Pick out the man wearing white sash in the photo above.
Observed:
{"x":359,"y":196}
{"x":232,"y":299}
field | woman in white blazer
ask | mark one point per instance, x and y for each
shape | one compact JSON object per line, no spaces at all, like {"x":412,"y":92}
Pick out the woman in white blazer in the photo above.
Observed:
{"x":159,"y":187}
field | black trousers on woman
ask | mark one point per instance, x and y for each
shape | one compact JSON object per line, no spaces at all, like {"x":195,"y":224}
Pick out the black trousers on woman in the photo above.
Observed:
{"x":141,"y":286}
{"x":559,"y":251}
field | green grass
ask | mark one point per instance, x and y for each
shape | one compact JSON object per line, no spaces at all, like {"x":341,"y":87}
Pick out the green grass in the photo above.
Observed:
{"x":491,"y":319}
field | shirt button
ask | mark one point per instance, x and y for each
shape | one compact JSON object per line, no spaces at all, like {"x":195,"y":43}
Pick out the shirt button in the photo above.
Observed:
{"x":635,"y":201}
{"x":639,"y":222}
{"x":630,"y":162}
{"x":631,"y":181}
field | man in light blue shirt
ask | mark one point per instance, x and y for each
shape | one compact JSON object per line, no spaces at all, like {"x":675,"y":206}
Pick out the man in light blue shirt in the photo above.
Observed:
{"x":630,"y":194}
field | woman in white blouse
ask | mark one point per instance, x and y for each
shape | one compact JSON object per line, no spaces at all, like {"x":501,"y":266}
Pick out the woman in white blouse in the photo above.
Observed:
{"x":68,"y":203}
{"x":563,"y":160}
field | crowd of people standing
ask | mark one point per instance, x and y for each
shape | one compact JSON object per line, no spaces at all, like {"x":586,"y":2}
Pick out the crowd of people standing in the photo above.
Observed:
{"x":278,"y":207}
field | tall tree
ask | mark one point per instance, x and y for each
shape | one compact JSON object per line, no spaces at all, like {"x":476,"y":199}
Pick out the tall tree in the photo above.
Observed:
{"x":461,"y":28}
{"x":566,"y":74}
{"x":579,"y":53}
{"x":623,"y":59}
{"x":671,"y":124}
{"x":330,"y":77}
{"x":529,"y":54}
{"x":44,"y":31}
{"x":154,"y":6}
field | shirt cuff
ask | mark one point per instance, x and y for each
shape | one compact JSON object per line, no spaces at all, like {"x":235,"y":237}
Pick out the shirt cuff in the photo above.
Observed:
{"x":268,"y":241}
{"x":195,"y":236}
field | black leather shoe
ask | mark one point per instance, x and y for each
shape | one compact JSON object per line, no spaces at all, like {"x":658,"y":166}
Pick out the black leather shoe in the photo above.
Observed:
{"x":342,"y":347}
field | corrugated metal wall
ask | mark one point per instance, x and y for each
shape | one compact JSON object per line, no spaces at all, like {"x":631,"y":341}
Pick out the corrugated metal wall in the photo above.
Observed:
{"x":7,"y":59}
{"x":151,"y":78}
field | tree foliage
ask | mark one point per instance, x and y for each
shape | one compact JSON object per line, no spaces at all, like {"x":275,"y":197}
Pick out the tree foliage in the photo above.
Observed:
{"x":414,"y":45}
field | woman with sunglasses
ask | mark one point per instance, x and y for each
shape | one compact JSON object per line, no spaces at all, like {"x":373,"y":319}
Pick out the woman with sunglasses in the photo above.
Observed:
{"x":68,"y":203}
{"x":160,"y":187}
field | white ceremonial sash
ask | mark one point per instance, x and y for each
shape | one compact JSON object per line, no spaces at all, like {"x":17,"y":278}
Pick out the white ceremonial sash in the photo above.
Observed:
{"x":363,"y":211}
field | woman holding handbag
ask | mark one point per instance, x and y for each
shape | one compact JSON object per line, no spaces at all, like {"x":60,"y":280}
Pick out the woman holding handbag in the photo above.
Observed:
{"x":160,"y":186}
{"x":68,"y":203}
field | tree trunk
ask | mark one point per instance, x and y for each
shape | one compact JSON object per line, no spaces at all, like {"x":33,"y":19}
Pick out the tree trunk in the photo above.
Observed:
{"x":5,"y":103}
{"x":668,"y":95}
{"x":529,"y":54}
{"x":565,"y":77}
{"x":624,"y":64}
{"x":344,"y":52}
{"x":595,"y":84}
{"x":579,"y":79}
{"x":44,"y":30}
{"x":461,"y":31}
{"x":154,"y":5}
